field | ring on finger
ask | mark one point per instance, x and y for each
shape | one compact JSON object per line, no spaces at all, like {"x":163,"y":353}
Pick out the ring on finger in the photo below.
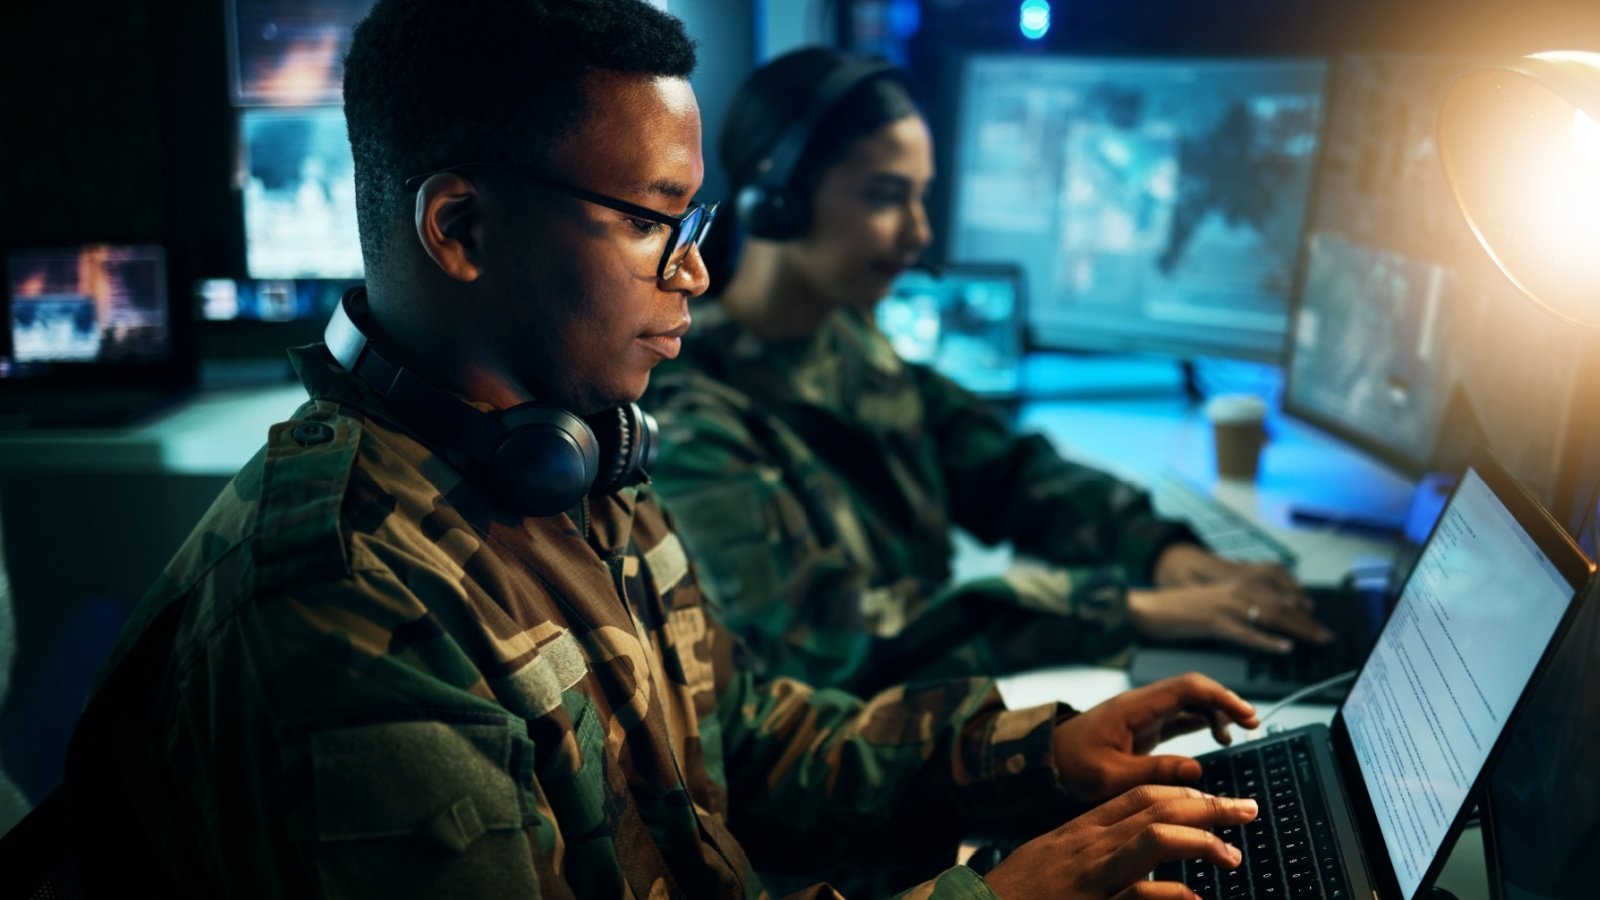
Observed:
{"x":1254,"y":615}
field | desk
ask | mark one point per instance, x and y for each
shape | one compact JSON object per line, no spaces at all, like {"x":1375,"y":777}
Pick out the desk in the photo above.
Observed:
{"x":1465,"y":873}
{"x":1139,"y":439}
{"x":213,"y":433}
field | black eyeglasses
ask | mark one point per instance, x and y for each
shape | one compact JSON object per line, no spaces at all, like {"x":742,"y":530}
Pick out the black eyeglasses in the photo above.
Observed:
{"x":686,"y":229}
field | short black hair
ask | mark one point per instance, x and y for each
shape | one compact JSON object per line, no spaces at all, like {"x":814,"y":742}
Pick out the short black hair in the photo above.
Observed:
{"x":432,"y":83}
{"x":781,"y":91}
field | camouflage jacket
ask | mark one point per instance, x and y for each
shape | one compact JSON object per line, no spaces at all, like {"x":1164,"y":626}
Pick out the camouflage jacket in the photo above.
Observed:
{"x":367,"y":679}
{"x":817,"y":482}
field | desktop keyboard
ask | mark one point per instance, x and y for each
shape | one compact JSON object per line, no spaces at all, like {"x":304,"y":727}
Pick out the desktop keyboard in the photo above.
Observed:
{"x":1228,"y":534}
{"x":1288,"y":851}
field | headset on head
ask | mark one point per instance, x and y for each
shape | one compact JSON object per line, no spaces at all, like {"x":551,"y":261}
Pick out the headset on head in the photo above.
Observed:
{"x":768,"y":207}
{"x":535,"y":459}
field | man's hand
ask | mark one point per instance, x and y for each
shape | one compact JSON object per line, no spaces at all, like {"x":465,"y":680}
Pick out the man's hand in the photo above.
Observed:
{"x":1199,"y":595}
{"x":1108,"y":851}
{"x":1105,"y":751}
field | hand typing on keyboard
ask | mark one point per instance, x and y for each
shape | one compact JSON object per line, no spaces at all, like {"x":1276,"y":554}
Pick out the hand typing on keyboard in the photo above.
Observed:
{"x":1105,"y":753}
{"x":1107,"y":851}
{"x":1201,"y":596}
{"x":1106,"y":750}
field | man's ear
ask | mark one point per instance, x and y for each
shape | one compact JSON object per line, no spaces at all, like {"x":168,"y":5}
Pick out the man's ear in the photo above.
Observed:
{"x":449,"y":224}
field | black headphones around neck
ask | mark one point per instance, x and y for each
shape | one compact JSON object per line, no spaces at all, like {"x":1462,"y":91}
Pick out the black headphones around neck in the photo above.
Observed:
{"x":769,"y":207}
{"x":535,"y":459}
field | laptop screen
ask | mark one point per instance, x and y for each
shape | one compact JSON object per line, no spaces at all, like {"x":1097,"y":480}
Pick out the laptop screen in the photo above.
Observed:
{"x":1469,"y":629}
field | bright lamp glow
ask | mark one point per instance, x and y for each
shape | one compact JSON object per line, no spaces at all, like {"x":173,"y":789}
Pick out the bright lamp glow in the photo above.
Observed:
{"x":1587,"y":135}
{"x":1035,"y":20}
{"x":1522,"y":150}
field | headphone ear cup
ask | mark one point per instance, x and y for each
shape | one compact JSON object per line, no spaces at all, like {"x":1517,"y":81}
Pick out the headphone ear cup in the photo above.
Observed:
{"x":546,"y":460}
{"x":627,"y":437}
{"x":770,"y":213}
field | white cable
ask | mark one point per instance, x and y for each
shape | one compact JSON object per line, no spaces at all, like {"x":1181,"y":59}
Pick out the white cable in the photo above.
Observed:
{"x":1339,"y":679}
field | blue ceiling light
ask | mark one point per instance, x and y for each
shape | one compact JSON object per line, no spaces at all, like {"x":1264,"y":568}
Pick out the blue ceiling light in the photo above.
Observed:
{"x":1035,"y":19}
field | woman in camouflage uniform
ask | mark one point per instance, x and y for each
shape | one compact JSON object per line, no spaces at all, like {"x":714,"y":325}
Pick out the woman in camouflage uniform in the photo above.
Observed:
{"x":818,"y":477}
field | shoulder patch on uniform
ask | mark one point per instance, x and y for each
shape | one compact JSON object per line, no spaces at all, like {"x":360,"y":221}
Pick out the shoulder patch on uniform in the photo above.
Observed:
{"x":304,"y":477}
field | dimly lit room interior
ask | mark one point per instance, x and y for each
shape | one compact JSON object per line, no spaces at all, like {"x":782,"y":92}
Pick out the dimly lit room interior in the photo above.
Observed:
{"x":1308,"y":283}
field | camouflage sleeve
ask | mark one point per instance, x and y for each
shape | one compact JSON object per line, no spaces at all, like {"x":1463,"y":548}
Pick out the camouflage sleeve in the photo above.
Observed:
{"x":358,"y":753}
{"x":1032,"y":615}
{"x":956,"y":883}
{"x":1009,"y":487}
{"x":817,"y":771}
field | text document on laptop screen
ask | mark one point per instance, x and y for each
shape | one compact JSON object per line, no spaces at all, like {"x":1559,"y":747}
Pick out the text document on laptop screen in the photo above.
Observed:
{"x":1476,"y":615}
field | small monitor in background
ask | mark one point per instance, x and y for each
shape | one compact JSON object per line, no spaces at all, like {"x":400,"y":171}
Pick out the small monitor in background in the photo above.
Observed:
{"x":268,"y":299}
{"x":290,"y":52}
{"x":965,"y":323}
{"x":1155,"y":205}
{"x":91,"y":305}
{"x":246,"y":326}
{"x":89,"y":336}
{"x":299,"y":194}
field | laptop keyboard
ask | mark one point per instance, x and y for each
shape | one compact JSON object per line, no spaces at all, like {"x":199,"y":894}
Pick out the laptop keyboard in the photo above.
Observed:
{"x":1289,"y":849}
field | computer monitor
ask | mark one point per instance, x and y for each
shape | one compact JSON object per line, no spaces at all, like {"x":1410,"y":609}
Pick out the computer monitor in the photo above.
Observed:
{"x":246,"y":326}
{"x":964,"y":321}
{"x":299,"y":194}
{"x":290,"y":52}
{"x":96,"y":305}
{"x":1155,"y":205}
{"x":1406,"y":341}
{"x":269,"y":299}
{"x":90,"y":336}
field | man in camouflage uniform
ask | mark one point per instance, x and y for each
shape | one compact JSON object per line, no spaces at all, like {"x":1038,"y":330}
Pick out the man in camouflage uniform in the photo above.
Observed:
{"x":364,"y":675}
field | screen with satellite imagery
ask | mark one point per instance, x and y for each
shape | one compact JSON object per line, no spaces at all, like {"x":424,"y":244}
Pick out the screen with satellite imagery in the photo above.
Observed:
{"x":1155,"y":205}
{"x":1407,"y":341}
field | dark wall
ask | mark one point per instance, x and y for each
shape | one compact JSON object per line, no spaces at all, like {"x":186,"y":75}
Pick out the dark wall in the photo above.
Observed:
{"x":118,"y":129}
{"x":726,"y":39}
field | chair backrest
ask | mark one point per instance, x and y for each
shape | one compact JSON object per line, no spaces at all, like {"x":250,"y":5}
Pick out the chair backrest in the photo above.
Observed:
{"x":38,"y":857}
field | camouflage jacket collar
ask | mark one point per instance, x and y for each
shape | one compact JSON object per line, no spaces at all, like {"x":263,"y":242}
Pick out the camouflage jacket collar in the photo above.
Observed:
{"x":325,"y":379}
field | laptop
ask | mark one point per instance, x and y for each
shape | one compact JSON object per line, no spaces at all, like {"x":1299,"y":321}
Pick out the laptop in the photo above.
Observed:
{"x":89,"y":336}
{"x":1371,"y":805}
{"x":1355,"y":610}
